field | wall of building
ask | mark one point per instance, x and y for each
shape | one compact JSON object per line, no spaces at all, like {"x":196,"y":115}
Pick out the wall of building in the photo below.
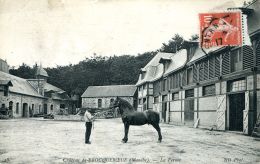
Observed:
{"x":207,"y":111}
{"x":34,"y":103}
{"x":145,"y":93}
{"x":176,"y":112}
{"x":93,"y":102}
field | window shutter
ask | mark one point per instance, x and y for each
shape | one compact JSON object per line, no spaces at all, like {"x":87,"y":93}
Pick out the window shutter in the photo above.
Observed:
{"x":258,"y":54}
{"x":206,"y":70}
{"x":217,"y":66}
{"x":211,"y":67}
{"x":195,"y":69}
{"x":201,"y":72}
{"x":248,"y":57}
{"x":178,"y":80}
{"x":226,"y":64}
{"x":184,"y":78}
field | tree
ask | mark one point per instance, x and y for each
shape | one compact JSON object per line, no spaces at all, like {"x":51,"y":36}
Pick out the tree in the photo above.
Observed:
{"x":194,"y":37}
{"x":173,"y":45}
{"x":24,"y":71}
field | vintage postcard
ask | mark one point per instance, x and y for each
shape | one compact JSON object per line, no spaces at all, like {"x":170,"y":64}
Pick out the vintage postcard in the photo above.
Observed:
{"x":129,"y":81}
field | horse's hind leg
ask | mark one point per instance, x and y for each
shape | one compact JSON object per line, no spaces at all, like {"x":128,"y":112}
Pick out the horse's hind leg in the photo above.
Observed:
{"x":158,"y":129}
{"x":125,"y":139}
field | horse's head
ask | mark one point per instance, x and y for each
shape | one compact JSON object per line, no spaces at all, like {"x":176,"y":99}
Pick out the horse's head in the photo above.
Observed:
{"x":115,"y":103}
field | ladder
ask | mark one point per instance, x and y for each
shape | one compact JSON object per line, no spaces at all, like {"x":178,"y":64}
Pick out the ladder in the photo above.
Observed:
{"x":257,"y":125}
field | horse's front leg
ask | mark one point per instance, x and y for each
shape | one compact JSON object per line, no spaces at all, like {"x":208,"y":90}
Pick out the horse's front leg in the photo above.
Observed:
{"x":125,"y":139}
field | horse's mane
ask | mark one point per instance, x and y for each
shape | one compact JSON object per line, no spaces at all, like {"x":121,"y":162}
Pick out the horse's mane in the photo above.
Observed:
{"x":126,"y":104}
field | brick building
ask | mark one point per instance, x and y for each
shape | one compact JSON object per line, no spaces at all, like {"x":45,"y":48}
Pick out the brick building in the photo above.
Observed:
{"x":218,"y":89}
{"x":101,"y":96}
{"x":26,"y":97}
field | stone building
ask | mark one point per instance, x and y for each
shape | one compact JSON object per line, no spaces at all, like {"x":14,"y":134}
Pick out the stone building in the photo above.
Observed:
{"x":219,"y":88}
{"x":26,"y":97}
{"x":101,"y":96}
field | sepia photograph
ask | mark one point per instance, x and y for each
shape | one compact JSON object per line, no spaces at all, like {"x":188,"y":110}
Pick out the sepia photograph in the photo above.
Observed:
{"x":129,"y":81}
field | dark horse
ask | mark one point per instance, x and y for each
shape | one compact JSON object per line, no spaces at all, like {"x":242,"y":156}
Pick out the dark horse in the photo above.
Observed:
{"x":132,"y":117}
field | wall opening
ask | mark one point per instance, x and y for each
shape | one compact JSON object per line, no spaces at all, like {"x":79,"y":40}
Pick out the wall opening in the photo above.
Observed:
{"x":25,"y":110}
{"x":236,"y":107}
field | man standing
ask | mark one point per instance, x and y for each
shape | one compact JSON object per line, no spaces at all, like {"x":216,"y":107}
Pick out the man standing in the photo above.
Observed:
{"x":88,"y":119}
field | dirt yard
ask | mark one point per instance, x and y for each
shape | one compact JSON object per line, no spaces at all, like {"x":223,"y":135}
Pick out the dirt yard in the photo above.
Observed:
{"x":47,"y":141}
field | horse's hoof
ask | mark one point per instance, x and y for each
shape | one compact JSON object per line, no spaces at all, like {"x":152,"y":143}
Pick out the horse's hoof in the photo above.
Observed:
{"x":124,"y":141}
{"x":159,"y":141}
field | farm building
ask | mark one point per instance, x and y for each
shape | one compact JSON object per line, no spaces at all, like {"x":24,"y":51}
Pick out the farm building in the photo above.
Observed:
{"x":219,"y":88}
{"x":101,"y":96}
{"x":26,"y":97}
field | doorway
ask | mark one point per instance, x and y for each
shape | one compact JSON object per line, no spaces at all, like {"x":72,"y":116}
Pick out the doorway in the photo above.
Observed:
{"x":25,"y":110}
{"x":164,"y":110}
{"x":189,"y":111}
{"x":45,"y":109}
{"x":236,"y":107}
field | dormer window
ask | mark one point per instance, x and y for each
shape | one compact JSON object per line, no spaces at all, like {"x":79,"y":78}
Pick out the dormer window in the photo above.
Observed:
{"x":166,"y":63}
{"x":4,"y":86}
{"x":142,"y":74}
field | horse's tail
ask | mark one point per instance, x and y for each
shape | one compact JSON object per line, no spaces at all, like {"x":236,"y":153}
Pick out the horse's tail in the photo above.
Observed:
{"x":157,"y":117}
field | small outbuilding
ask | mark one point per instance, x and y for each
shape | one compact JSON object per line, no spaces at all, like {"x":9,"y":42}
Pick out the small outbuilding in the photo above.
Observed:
{"x":99,"y":97}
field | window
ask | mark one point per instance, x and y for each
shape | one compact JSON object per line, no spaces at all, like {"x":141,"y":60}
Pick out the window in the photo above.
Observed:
{"x":236,"y":60}
{"x":164,"y":84}
{"x":40,"y":108}
{"x":32,"y":108}
{"x":99,"y":103}
{"x":156,"y":99}
{"x":238,"y":85}
{"x":142,"y":75}
{"x":209,"y":90}
{"x":5,"y":89}
{"x":17,"y":108}
{"x":139,"y":101}
{"x":164,"y":98}
{"x":156,"y":87}
{"x":52,"y":108}
{"x":144,"y":100}
{"x":175,"y":96}
{"x":10,"y":105}
{"x":189,"y":76}
{"x":189,"y":93}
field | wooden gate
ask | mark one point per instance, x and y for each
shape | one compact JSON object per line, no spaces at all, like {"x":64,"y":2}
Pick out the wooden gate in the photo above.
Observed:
{"x":221,"y":112}
{"x":245,"y":114}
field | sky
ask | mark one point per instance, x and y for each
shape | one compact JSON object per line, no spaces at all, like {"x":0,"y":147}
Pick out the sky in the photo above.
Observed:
{"x":62,"y":32}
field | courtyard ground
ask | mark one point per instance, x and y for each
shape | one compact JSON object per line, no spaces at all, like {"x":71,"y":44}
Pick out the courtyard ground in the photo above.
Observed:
{"x":46,"y":141}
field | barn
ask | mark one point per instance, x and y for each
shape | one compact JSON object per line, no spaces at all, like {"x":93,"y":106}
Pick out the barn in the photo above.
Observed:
{"x":219,"y":88}
{"x":100,"y":97}
{"x":27,"y":97}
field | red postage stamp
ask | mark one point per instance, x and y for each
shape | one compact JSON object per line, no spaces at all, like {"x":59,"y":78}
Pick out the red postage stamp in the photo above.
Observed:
{"x":220,"y":29}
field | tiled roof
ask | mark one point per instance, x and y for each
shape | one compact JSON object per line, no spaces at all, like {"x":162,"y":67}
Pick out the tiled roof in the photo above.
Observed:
{"x":198,"y":54}
{"x":154,"y":69}
{"x":48,"y":87}
{"x":20,"y":85}
{"x":178,"y":60}
{"x":110,"y":91}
